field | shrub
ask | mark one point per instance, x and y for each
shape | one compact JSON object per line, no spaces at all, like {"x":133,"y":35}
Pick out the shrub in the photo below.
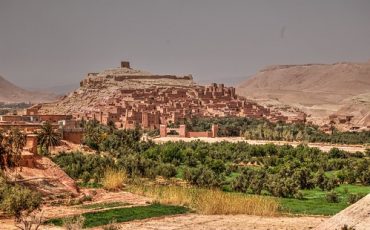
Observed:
{"x":332,"y":197}
{"x":367,"y":152}
{"x":19,"y":201}
{"x":299,"y":195}
{"x":202,"y":177}
{"x":281,"y":187}
{"x":114,"y":179}
{"x":353,"y":198}
{"x":111,"y":226}
{"x":167,"y":170}
{"x":345,"y":227}
{"x":74,"y":223}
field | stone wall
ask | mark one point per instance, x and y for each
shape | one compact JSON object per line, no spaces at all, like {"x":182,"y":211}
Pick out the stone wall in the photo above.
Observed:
{"x":73,"y":135}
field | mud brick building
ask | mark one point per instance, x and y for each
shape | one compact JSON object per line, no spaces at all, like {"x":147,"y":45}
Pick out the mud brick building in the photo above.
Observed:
{"x":131,"y":98}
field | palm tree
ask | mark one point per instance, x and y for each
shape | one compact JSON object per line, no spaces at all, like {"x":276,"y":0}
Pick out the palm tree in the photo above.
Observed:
{"x":48,"y":137}
{"x":17,"y":141}
{"x":3,"y":150}
{"x":11,"y":147}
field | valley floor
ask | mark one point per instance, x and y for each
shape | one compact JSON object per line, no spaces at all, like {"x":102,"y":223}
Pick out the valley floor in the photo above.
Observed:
{"x":195,"y":221}
{"x":209,"y":222}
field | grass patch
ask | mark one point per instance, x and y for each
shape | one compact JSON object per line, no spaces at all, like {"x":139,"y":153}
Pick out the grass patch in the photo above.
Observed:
{"x":206,"y":201}
{"x":94,"y":219}
{"x":89,"y":185}
{"x":98,"y":206}
{"x":314,"y":202}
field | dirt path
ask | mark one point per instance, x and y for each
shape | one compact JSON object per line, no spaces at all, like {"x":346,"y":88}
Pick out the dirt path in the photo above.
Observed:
{"x":102,"y":196}
{"x":322,"y":146}
{"x":234,"y":222}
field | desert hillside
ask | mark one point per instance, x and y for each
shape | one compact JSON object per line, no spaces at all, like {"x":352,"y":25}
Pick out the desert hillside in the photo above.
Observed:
{"x":101,"y":89}
{"x":318,"y":89}
{"x":10,"y":93}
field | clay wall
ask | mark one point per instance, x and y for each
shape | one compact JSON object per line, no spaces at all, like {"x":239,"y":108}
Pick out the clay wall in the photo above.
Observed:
{"x":73,"y":135}
{"x":53,"y":117}
{"x":199,"y":134}
{"x":31,"y":143}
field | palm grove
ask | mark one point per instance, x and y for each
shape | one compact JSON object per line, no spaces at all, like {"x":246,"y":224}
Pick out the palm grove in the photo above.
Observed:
{"x":281,"y":171}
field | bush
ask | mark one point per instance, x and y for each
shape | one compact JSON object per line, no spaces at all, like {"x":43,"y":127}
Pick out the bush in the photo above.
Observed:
{"x":345,"y":227}
{"x":19,"y":201}
{"x":281,"y":187}
{"x":202,"y":177}
{"x":166,"y":170}
{"x":74,"y":223}
{"x":299,"y":195}
{"x":353,"y":198}
{"x":114,"y":179}
{"x":332,"y":197}
{"x":367,"y":152}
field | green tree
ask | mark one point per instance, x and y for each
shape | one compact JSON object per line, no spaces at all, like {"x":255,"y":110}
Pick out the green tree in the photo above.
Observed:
{"x":14,"y":143}
{"x":48,"y":137}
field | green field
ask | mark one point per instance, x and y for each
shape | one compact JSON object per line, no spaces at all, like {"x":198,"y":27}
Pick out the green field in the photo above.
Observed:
{"x":314,"y":202}
{"x":119,"y":215}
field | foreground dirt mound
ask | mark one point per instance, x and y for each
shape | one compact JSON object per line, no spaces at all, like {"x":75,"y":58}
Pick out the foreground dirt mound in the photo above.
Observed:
{"x":317,"y":89}
{"x":43,"y":175}
{"x":356,"y":216}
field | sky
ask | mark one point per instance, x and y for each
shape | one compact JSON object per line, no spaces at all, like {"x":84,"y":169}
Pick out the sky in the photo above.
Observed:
{"x":45,"y":43}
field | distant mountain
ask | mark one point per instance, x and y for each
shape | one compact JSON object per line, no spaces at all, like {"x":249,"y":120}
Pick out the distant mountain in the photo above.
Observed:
{"x":10,"y":93}
{"x":318,"y":89}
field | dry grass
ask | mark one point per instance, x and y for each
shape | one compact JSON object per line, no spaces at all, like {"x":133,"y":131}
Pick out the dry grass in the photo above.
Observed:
{"x":75,"y":223}
{"x":210,"y":202}
{"x":114,"y":179}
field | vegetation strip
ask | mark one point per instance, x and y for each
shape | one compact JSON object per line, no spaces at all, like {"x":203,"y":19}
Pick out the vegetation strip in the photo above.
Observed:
{"x":94,"y":219}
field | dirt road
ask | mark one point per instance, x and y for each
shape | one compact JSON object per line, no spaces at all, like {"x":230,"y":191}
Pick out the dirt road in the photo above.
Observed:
{"x":227,"y":222}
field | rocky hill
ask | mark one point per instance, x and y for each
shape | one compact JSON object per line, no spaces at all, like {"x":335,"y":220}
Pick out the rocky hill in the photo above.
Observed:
{"x":99,"y":89}
{"x":320,"y":90}
{"x":10,"y":93}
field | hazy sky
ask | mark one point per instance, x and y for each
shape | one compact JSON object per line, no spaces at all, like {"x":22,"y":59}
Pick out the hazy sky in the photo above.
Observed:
{"x":49,"y":42}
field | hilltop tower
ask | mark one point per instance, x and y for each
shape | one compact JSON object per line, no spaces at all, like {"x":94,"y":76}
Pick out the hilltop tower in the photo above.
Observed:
{"x":125,"y":64}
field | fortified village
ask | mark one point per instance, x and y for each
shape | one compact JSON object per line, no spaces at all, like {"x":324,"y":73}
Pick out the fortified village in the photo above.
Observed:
{"x":132,"y":98}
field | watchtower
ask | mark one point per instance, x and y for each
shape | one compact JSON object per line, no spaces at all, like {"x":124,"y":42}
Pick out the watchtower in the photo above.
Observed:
{"x":125,"y":64}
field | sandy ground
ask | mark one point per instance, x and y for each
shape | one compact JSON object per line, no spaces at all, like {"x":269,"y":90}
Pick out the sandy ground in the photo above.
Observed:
{"x":194,"y":221}
{"x":321,"y":146}
{"x":101,"y":197}
{"x":209,"y":222}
